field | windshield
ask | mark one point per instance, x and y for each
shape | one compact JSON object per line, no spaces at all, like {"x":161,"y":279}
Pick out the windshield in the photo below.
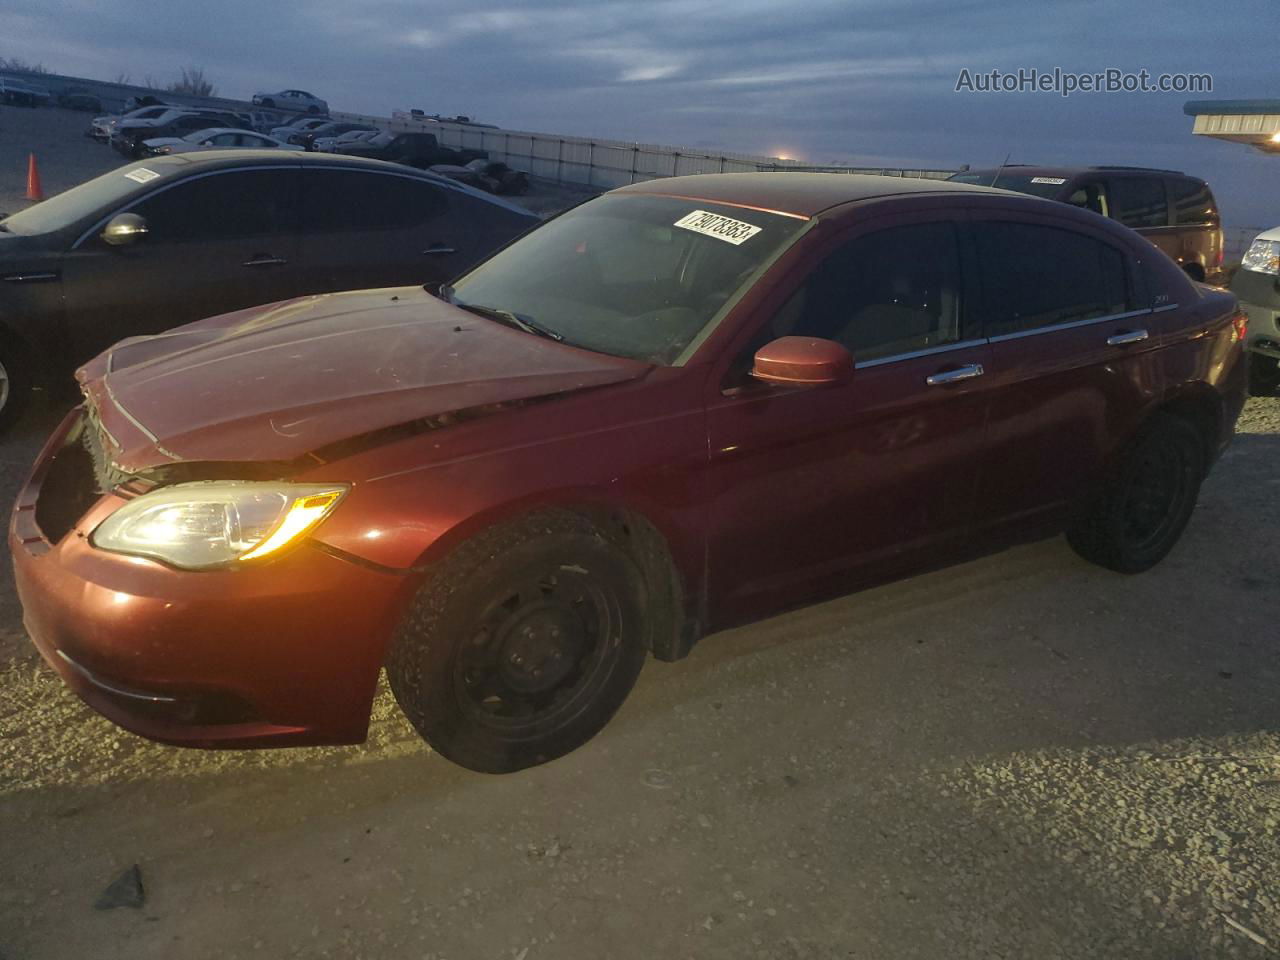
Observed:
{"x":94,"y":196}
{"x":1049,"y":187}
{"x":632,"y":275}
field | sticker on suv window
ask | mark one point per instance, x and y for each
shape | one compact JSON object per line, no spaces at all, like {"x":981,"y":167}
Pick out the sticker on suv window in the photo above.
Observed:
{"x":1058,"y":180}
{"x":714,"y":225}
{"x":142,"y":175}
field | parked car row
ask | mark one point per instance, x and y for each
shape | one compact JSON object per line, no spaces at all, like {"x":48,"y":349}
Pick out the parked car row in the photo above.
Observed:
{"x":214,"y":138}
{"x":681,"y":406}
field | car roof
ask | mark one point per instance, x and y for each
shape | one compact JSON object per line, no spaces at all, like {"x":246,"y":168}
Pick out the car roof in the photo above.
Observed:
{"x":1038,"y":170}
{"x":181,"y":164}
{"x":802,"y":194}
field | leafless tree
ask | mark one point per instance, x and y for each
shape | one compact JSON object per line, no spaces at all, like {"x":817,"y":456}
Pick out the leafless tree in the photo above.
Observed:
{"x":193,"y":82}
{"x":19,"y":65}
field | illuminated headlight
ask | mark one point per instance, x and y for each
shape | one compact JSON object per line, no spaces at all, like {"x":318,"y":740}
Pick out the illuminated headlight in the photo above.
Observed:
{"x":214,"y":523}
{"x":1263,"y":257}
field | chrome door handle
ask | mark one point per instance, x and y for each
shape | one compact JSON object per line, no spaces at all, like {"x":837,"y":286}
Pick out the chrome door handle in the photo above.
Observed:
{"x":955,"y":376}
{"x":265,"y":260}
{"x":438,"y":251}
{"x":1125,"y":337}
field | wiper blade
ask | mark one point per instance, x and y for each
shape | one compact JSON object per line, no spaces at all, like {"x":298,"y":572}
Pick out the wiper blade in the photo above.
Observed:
{"x":519,"y":321}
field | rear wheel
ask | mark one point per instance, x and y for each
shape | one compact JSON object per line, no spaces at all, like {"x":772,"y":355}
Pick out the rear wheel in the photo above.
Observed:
{"x":1146,"y":502}
{"x":313,"y":109}
{"x":1264,"y":375}
{"x":522,"y":645}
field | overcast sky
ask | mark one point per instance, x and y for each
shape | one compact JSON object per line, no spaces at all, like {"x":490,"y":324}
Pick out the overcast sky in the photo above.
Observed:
{"x":861,"y":81}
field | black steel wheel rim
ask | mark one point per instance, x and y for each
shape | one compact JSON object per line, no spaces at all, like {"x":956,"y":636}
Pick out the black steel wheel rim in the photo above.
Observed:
{"x":539,"y":652}
{"x":1156,"y":490}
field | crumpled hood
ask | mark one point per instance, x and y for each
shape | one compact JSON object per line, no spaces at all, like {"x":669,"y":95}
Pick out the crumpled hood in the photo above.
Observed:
{"x":276,"y":382}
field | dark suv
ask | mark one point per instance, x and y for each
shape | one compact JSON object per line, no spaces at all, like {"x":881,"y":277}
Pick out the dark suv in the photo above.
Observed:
{"x":1174,"y":211}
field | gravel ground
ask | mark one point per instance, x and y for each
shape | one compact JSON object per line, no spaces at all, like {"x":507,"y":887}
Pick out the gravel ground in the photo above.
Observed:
{"x":1023,"y":756}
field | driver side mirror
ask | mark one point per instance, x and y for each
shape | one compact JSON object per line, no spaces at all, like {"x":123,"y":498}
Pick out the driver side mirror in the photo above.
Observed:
{"x":124,"y":229}
{"x":802,"y":361}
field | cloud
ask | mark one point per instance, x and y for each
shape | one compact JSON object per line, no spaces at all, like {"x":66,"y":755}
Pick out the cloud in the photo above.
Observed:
{"x":869,"y":81}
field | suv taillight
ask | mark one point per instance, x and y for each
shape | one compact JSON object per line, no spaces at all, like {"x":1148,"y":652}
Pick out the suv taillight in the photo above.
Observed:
{"x":1240,"y":326}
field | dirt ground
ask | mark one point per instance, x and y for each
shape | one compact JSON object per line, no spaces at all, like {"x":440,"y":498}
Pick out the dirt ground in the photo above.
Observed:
{"x":1022,"y":757}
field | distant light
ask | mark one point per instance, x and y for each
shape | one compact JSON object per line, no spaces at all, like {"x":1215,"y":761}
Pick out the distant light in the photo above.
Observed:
{"x":1275,"y":138}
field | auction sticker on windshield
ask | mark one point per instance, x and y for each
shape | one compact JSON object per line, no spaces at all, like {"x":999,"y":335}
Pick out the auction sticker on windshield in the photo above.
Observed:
{"x":720,"y":227}
{"x":142,"y":175}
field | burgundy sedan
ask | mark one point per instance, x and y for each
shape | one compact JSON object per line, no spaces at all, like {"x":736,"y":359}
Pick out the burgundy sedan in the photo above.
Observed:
{"x":684,"y":405}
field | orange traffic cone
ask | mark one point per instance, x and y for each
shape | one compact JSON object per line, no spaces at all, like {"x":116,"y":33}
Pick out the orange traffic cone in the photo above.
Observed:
{"x":34,"y":190}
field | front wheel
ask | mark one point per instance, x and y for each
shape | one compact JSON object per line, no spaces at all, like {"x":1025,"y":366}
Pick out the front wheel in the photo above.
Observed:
{"x":268,"y":103}
{"x":521,"y":645}
{"x":1146,"y":502}
{"x":15,"y":385}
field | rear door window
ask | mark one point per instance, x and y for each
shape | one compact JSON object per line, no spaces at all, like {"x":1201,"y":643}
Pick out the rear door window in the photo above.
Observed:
{"x":1036,"y":276}
{"x":1193,"y":203}
{"x":350,"y":201}
{"x":1139,"y":201}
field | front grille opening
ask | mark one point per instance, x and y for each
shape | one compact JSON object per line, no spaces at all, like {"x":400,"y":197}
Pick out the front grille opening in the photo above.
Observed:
{"x":70,"y":487}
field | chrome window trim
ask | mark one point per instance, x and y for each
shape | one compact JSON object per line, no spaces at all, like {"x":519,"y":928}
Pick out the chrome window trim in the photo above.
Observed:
{"x":1166,"y":308}
{"x":927,"y":351}
{"x":1018,"y":335}
{"x":948,"y":347}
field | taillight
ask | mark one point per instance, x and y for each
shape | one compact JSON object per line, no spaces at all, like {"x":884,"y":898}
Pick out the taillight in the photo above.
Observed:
{"x":1239,"y":326}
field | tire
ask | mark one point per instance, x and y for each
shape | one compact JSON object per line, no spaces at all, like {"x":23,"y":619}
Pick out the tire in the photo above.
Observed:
{"x":1264,"y":375}
{"x":313,"y":109}
{"x":269,"y":103}
{"x":1145,"y":503}
{"x":15,"y":385}
{"x":522,"y":644}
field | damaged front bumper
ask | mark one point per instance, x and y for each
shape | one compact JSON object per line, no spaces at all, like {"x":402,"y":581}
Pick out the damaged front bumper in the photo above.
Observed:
{"x":285,"y":653}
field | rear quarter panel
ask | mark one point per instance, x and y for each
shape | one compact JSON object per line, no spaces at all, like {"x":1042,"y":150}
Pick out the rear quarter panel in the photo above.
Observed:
{"x":1203,"y":356}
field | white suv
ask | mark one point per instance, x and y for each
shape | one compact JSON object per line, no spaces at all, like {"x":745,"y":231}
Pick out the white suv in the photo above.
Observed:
{"x":1257,"y":286}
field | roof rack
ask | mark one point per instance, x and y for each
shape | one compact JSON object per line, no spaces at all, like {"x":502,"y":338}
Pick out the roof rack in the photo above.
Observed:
{"x":1116,"y":166}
